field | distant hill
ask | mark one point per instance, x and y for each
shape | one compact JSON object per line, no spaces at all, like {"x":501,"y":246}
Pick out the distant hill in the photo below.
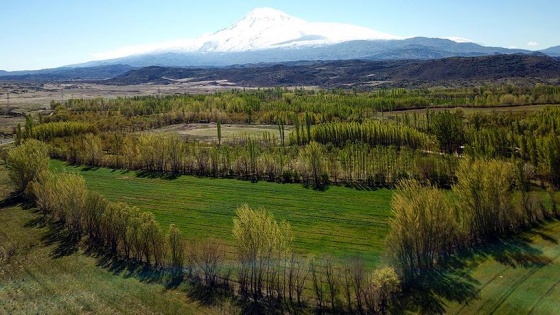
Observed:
{"x":67,"y":73}
{"x":412,"y":48}
{"x":333,"y":73}
{"x":482,"y":68}
{"x":356,"y":72}
{"x":552,"y":51}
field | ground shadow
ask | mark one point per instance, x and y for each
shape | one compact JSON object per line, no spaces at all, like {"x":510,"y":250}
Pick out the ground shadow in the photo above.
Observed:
{"x":547,"y":237}
{"x":38,"y":221}
{"x":120,"y":171}
{"x":12,"y":200}
{"x":515,"y":252}
{"x":452,"y":282}
{"x":89,"y":168}
{"x":16,"y":199}
{"x":362,"y":186}
{"x":175,"y":281}
{"x":429,"y":293}
{"x":207,"y":295}
{"x":153,"y":174}
{"x":67,"y":243}
{"x":127,"y":268}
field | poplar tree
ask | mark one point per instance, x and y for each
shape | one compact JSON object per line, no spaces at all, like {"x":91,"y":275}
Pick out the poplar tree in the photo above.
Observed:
{"x":26,"y":163}
{"x":260,"y":241}
{"x":422,"y":228}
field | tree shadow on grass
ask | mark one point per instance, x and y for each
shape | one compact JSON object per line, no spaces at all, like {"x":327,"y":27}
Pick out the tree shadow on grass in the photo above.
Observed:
{"x":38,"y":221}
{"x":16,"y":199}
{"x":514,"y":252}
{"x":361,"y":186}
{"x":174,"y":281}
{"x":127,"y":268}
{"x":158,"y":175}
{"x":89,"y":168}
{"x":207,"y":295}
{"x":453,"y":282}
{"x":428,"y":294}
{"x":547,"y":237}
{"x":67,"y":243}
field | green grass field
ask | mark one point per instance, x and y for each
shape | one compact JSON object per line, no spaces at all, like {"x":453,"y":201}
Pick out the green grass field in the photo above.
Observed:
{"x":517,"y":277}
{"x":33,"y":281}
{"x":339,"y":221}
{"x":39,"y":274}
{"x":208,"y":132}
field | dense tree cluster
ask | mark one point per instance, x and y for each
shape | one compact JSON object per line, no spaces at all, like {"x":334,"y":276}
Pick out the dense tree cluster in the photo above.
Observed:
{"x":372,"y":132}
{"x":352,"y":148}
{"x":429,"y":226}
{"x":271,"y":105}
{"x":257,"y":158}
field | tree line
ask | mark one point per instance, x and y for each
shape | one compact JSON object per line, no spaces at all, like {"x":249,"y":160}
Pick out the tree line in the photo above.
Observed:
{"x":257,"y":158}
{"x":372,"y":153}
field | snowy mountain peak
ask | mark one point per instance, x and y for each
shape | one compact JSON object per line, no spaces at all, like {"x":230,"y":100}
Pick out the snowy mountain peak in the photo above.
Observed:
{"x":266,"y":28}
{"x":269,"y":14}
{"x":262,"y":28}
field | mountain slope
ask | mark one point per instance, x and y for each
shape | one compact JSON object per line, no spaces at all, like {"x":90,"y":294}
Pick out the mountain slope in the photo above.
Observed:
{"x":483,"y":68}
{"x":268,"y":35}
{"x":266,"y":28}
{"x":330,"y":74}
{"x":68,"y":73}
{"x":412,"y":48}
{"x":552,"y":51}
{"x":272,"y":36}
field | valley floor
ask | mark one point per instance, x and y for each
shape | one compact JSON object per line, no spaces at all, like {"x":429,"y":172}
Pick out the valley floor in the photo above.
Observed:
{"x":42,"y":271}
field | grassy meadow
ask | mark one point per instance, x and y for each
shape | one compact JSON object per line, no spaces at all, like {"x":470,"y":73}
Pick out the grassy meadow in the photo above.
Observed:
{"x":518,"y":276}
{"x":229,"y":132}
{"x":42,"y":273}
{"x":340,"y":221}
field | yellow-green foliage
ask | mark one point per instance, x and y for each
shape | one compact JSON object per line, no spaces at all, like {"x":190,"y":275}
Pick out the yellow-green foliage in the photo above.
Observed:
{"x":261,"y":244}
{"x":484,"y":191}
{"x":26,"y":162}
{"x":382,"y":286}
{"x":176,"y":248}
{"x":422,"y":228}
{"x":51,"y":130}
{"x":64,"y":196}
{"x":372,"y":132}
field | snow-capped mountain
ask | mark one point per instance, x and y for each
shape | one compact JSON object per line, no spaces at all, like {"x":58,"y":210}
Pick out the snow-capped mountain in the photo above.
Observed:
{"x":269,"y":35}
{"x":272,"y":36}
{"x":262,"y":28}
{"x":267,"y":28}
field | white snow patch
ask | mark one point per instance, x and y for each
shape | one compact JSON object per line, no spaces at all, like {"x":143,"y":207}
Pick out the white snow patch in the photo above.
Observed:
{"x":458,"y":39}
{"x":262,"y":28}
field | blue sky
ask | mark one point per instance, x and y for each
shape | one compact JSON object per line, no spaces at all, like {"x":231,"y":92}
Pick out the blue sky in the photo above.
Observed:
{"x":37,"y":34}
